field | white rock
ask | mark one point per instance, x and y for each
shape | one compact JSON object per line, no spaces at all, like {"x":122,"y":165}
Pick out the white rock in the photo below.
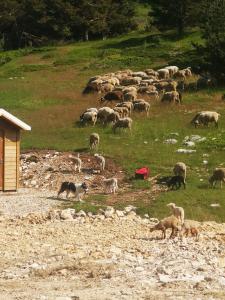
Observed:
{"x":66,"y":214}
{"x":81,"y":213}
{"x":120,"y":213}
{"x":109,"y":212}
{"x":170,"y":141}
{"x":188,"y":151}
{"x":130,"y":208}
{"x":189,"y":144}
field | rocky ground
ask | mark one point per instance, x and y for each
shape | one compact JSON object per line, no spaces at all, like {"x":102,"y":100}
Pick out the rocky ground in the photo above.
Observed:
{"x":67,"y":255}
{"x":47,"y":253}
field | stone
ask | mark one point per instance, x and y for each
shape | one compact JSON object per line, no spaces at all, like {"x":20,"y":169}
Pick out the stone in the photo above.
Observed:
{"x":81,"y":213}
{"x":120,"y":213}
{"x":130,"y":208}
{"x":109,"y":212}
{"x":66,"y":214}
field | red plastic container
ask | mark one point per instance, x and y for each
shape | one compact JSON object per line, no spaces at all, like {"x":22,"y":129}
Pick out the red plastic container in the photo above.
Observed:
{"x":142,"y":173}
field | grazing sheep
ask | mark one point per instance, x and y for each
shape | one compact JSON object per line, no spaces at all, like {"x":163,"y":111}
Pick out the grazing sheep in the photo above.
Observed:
{"x":88,"y":117}
{"x":164,"y":73}
{"x":181,"y":75}
{"x":191,"y":226}
{"x":123,"y":123}
{"x":106,"y":88}
{"x":180,"y":169}
{"x":94,"y":140}
{"x":131,"y":80}
{"x":218,"y":175}
{"x":206,"y":117}
{"x":142,"y":106}
{"x":129,"y":89}
{"x":188,"y":72}
{"x":178,"y":212}
{"x":146,"y":89}
{"x":176,"y":181}
{"x":103,"y":114}
{"x":151,"y":72}
{"x":172,"y":70}
{"x":154,"y":95}
{"x":101,"y":161}
{"x":111,"y":185}
{"x":92,"y":109}
{"x":131,"y":96}
{"x":113,"y":96}
{"x":171,"y":86}
{"x":169,"y":222}
{"x":172,"y":97}
{"x":128,"y":105}
{"x":77,"y":162}
{"x":123,"y":111}
{"x":112,"y":118}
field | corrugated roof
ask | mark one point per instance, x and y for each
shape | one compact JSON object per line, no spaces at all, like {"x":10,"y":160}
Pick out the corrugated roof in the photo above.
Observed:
{"x":14,"y":120}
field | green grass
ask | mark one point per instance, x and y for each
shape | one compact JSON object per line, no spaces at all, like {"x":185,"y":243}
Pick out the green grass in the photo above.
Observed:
{"x":43,"y":87}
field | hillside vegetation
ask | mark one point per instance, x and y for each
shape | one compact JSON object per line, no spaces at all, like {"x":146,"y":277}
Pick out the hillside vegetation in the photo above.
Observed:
{"x":43,"y":86}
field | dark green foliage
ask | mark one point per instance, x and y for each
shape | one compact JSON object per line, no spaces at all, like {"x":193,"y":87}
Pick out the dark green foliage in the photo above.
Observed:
{"x":177,"y":14}
{"x":214,"y":35}
{"x":36,"y":22}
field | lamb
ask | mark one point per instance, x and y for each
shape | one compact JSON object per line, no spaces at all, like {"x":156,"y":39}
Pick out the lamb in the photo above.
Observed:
{"x":101,"y":161}
{"x":218,"y":175}
{"x":88,"y":117}
{"x":176,"y":181}
{"x":191,"y":226}
{"x":94,"y":140}
{"x":142,"y":106}
{"x":173,"y":96}
{"x":180,"y":169}
{"x":188,"y":72}
{"x":178,"y":212}
{"x":123,"y":123}
{"x":103,"y":113}
{"x":77,"y":162}
{"x":112,"y":96}
{"x":111,"y":185}
{"x":164,"y":73}
{"x":206,"y":117}
{"x":169,"y":222}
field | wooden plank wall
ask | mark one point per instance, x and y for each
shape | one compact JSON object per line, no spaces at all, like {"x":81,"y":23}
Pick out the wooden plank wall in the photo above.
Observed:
{"x":11,"y":162}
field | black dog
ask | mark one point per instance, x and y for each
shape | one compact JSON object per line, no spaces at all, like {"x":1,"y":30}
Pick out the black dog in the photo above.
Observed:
{"x":175,"y":182}
{"x":76,"y":189}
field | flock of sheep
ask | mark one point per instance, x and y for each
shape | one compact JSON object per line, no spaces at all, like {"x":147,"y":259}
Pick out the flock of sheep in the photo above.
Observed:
{"x":126,"y":88}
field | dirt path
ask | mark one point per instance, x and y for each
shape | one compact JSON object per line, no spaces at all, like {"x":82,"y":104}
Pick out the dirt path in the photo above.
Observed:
{"x":114,"y":258}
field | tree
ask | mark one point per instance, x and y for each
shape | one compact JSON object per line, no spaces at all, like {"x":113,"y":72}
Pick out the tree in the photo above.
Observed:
{"x":214,"y":35}
{"x":175,"y":13}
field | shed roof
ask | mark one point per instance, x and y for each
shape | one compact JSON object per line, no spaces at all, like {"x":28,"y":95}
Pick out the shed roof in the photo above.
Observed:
{"x":6,"y":115}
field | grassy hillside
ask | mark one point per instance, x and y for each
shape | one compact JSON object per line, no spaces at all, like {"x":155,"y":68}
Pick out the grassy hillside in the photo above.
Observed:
{"x":43,"y":87}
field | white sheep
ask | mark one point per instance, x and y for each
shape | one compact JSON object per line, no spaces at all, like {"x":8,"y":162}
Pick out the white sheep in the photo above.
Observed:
{"x":103,"y":113}
{"x":218,"y":175}
{"x":88,"y":117}
{"x":172,"y":97}
{"x":94,"y":140}
{"x":123,"y":111}
{"x":101,"y":161}
{"x":178,"y":212}
{"x":164,"y":73}
{"x":206,"y":117}
{"x":172,"y":70}
{"x":191,"y":226}
{"x":123,"y":123}
{"x":77,"y":163}
{"x":180,"y":169}
{"x":111,"y":185}
{"x":142,"y":106}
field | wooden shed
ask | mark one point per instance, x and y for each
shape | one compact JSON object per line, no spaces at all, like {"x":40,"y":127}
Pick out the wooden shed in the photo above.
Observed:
{"x":10,"y":127}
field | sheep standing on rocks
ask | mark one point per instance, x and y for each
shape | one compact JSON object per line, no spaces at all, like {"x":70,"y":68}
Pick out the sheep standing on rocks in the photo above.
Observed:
{"x":218,"y":175}
{"x":178,"y":212}
{"x":169,"y":222}
{"x":94,"y":140}
{"x":77,"y":163}
{"x":111,"y":185}
{"x":123,"y":123}
{"x":191,"y":226}
{"x":180,"y":169}
{"x":101,"y":161}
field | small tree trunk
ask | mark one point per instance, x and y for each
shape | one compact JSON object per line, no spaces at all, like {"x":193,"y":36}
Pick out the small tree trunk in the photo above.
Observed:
{"x":86,"y":35}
